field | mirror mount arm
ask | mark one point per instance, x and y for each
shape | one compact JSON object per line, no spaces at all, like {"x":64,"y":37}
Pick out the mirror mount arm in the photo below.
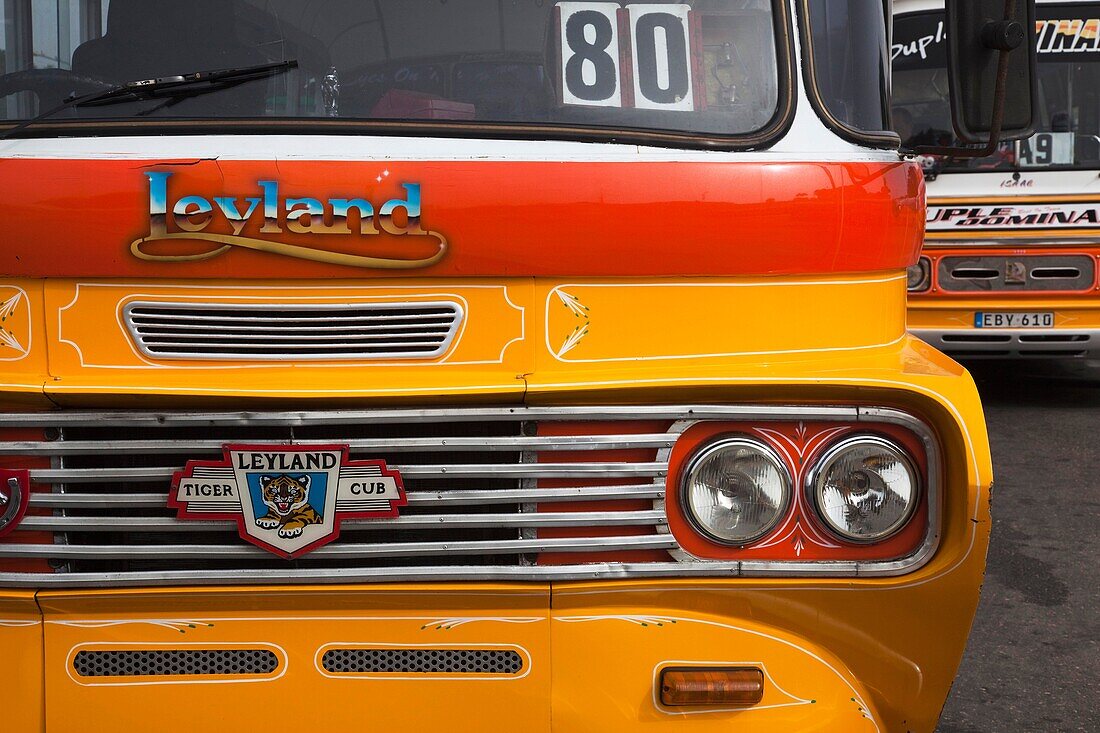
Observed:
{"x":1000,"y":91}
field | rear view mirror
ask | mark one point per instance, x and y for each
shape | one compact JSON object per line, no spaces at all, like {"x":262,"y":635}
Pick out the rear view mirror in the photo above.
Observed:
{"x":991,"y":54}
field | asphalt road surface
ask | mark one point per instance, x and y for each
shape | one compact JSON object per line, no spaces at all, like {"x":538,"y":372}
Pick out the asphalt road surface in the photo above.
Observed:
{"x":1033,"y":659}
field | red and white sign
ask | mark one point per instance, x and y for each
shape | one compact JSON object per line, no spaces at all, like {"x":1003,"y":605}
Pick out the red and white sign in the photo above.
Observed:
{"x":288,"y":499}
{"x":15,"y":493}
{"x":1013,"y":217}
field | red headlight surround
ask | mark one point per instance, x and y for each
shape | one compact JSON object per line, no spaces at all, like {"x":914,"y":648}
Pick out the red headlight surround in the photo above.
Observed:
{"x":800,"y":535}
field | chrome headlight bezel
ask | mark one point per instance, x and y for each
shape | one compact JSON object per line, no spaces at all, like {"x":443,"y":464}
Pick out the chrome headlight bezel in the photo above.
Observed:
{"x":819,"y":469}
{"x":923,"y":265}
{"x":707,"y":451}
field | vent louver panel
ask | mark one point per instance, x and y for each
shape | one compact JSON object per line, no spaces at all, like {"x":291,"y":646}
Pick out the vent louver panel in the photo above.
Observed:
{"x":997,"y":273}
{"x":285,"y":332}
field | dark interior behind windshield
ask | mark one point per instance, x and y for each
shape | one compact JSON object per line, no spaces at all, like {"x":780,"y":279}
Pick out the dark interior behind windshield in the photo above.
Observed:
{"x":851,"y":67}
{"x":702,"y":66}
{"x":1068,"y":133}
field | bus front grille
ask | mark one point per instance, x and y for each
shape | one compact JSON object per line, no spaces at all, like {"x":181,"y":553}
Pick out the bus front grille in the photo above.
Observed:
{"x":488,"y":492}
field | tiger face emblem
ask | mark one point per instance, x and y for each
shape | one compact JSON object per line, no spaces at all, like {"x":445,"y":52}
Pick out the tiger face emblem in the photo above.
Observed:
{"x":287,"y":500}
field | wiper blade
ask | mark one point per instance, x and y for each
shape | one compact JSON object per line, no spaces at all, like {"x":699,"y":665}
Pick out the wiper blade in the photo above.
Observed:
{"x":182,"y":85}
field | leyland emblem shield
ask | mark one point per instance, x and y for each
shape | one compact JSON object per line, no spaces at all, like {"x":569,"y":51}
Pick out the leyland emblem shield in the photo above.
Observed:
{"x":288,"y":499}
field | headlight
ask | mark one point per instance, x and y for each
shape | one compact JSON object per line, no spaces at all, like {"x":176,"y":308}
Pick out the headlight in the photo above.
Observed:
{"x":736,"y":490}
{"x":865,"y":488}
{"x":918,"y":277}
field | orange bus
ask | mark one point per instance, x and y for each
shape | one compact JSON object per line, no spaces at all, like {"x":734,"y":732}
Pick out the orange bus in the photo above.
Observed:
{"x":1011,"y":244}
{"x":467,"y":366}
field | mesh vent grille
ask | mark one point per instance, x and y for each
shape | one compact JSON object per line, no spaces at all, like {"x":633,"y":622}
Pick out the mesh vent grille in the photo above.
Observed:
{"x":175,"y":662}
{"x":423,"y":661}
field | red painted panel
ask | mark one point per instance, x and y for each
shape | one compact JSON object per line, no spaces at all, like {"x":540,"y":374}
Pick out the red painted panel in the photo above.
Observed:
{"x":623,"y":505}
{"x":81,"y":218}
{"x":20,"y":463}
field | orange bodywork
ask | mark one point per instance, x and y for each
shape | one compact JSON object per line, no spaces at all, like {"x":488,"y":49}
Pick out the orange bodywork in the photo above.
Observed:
{"x":596,"y":283}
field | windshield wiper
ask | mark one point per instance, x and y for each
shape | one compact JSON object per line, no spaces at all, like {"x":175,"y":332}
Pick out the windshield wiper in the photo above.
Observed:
{"x":183,"y":85}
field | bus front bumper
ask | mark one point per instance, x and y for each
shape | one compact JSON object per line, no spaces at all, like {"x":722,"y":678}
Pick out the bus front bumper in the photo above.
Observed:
{"x":949,"y":325}
{"x":579,"y":657}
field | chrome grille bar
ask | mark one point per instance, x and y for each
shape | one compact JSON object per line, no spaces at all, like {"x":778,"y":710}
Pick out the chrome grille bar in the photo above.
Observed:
{"x":251,"y":326}
{"x":223,"y":338}
{"x":425,"y":498}
{"x":433,"y":472}
{"x":388,"y":345}
{"x":542,"y":519}
{"x":345,"y":551}
{"x":380,"y":318}
{"x":403,"y":445}
{"x":400,"y":416}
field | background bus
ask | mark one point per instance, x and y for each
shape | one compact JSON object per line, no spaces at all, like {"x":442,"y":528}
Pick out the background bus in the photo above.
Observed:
{"x":1012,"y":240}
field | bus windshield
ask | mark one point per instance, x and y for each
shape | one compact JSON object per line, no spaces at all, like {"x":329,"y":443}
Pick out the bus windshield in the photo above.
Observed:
{"x":701,"y":67}
{"x":1068,"y":130}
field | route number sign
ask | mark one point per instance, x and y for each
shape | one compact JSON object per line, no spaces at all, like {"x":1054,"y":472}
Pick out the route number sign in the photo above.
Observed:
{"x":641,"y":56}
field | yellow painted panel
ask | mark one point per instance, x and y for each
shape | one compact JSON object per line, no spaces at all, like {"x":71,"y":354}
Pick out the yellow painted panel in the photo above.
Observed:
{"x":516,"y":330}
{"x":21,"y":693}
{"x":23,"y":344}
{"x":92,"y":351}
{"x":608,"y":661}
{"x":605,"y":322}
{"x":297,"y":625}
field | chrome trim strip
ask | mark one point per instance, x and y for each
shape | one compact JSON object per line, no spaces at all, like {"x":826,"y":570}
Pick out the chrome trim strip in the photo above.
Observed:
{"x":473,"y":497}
{"x":250,"y":325}
{"x":165,"y":337}
{"x":517,"y":413}
{"x":480,"y":444}
{"x":534,"y":573}
{"x":248,"y":320}
{"x":222,"y":342}
{"x":151,"y":323}
{"x":1035,"y":239}
{"x":444,"y":521}
{"x":348,"y":551}
{"x":424,"y":471}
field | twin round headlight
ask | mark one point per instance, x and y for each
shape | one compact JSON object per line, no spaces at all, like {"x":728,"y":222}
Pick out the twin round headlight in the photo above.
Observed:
{"x":864,"y":488}
{"x":738,"y":489}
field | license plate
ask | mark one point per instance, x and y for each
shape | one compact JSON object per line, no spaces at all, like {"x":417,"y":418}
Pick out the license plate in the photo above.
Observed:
{"x":995,"y":319}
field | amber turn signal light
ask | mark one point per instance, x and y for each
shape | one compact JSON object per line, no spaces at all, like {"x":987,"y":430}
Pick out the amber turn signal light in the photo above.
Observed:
{"x":732,"y":686}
